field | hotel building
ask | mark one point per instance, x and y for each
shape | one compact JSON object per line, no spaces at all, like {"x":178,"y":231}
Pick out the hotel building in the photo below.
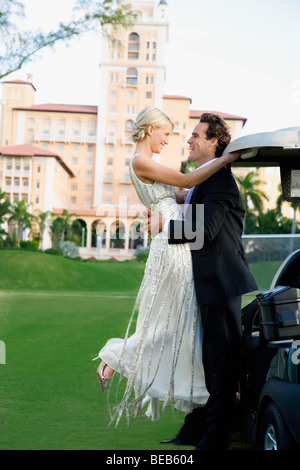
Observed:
{"x":74,"y":157}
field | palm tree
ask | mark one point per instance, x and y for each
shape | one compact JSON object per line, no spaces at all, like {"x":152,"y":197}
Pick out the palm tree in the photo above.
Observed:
{"x":62,"y":226}
{"x":251,"y":194}
{"x":21,"y":215}
{"x":294,"y":205}
{"x":42,"y":218}
{"x":249,"y":190}
{"x":4,"y":209}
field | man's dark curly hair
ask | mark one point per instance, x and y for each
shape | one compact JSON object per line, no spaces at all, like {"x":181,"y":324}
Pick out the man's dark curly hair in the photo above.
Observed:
{"x":218,"y":128}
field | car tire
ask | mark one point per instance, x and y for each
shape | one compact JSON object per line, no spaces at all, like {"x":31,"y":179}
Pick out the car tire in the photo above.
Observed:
{"x":274,"y":434}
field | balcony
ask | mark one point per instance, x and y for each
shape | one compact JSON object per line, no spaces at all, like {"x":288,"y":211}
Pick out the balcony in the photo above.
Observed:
{"x":66,"y":136}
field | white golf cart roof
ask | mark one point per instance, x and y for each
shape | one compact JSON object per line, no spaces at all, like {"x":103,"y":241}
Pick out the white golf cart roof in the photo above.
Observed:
{"x":278,"y":148}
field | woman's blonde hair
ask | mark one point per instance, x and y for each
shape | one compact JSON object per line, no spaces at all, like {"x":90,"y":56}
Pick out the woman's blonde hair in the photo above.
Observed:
{"x":149,"y":117}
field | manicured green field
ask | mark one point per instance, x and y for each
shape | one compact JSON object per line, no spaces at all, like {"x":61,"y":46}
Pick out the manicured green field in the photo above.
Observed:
{"x":55,"y":314}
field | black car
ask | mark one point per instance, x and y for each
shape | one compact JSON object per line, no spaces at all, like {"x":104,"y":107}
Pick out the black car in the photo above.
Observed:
{"x":269,"y":408}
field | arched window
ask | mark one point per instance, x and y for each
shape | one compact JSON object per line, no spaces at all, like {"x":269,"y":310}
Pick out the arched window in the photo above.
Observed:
{"x":133,"y":46}
{"x":132,"y":77}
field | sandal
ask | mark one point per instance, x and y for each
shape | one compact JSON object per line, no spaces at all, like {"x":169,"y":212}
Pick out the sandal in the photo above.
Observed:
{"x":102,"y":380}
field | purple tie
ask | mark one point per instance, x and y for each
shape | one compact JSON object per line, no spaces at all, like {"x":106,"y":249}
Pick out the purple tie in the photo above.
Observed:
{"x":187,"y":199}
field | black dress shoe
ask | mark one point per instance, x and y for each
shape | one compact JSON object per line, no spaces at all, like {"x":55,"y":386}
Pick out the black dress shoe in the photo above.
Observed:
{"x":175,"y":440}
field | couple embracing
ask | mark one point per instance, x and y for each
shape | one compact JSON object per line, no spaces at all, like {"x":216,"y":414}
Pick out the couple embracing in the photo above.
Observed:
{"x":186,"y":347}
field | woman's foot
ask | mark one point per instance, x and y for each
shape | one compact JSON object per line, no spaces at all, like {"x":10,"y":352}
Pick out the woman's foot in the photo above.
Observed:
{"x":104,"y":373}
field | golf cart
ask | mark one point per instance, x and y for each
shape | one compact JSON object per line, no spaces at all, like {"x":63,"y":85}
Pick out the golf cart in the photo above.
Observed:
{"x":269,"y":410}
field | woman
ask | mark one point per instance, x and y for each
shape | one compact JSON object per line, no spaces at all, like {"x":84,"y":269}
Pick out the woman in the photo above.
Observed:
{"x":162,"y":358}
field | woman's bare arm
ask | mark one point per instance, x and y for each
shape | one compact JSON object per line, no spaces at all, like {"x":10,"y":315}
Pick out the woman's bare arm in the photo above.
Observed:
{"x":147,"y":169}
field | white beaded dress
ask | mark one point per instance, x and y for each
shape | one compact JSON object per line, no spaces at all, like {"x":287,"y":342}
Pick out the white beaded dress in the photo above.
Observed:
{"x":162,"y":359}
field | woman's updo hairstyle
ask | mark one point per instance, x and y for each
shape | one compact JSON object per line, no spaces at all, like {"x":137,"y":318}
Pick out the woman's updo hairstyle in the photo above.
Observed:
{"x":148,"y":117}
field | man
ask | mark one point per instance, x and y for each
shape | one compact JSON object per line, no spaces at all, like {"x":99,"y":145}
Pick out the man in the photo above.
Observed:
{"x":221,"y":276}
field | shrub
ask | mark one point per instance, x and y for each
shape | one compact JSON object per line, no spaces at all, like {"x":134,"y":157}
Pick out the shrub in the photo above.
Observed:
{"x":53,"y":251}
{"x":31,"y":245}
{"x":69,"y":249}
{"x":142,"y":254}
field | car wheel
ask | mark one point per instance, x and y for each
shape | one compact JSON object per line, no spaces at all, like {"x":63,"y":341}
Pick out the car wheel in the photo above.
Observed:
{"x":274,"y":434}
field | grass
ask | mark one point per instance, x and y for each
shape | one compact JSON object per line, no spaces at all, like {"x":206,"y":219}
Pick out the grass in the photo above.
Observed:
{"x":61,"y":313}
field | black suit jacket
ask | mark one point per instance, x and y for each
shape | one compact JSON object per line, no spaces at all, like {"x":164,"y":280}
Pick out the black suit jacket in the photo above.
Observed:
{"x":220,"y":267}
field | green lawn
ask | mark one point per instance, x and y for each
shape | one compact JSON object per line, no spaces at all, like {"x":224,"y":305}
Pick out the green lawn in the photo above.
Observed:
{"x":54,"y":317}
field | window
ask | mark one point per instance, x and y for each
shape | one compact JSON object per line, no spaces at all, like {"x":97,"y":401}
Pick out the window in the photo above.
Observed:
{"x":126,"y":178}
{"x":109,"y":176}
{"x":73,"y":200}
{"x":89,"y":175}
{"x":108,"y":200}
{"x":90,"y":148}
{"x":113,"y":109}
{"x":38,"y":184}
{"x":108,"y":188}
{"x":133,"y":46}
{"x":74,"y":187}
{"x":113,"y":94}
{"x":110,"y":148}
{"x":87,"y":201}
{"x":132,"y":77}
{"x":126,"y":189}
{"x":9,"y":165}
{"x":60,"y":147}
{"x":75,"y":148}
{"x":110,"y":161}
{"x":88,"y":188}
{"x":89,"y":161}
{"x":148,"y":95}
{"x":30,"y":133}
{"x":74,"y":160}
{"x":76,"y":123}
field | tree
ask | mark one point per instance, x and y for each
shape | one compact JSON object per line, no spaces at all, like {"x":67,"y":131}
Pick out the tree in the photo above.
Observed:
{"x":18,"y":47}
{"x":22,"y":216}
{"x":294,"y":205}
{"x":251,"y":195}
{"x":42,"y":219}
{"x":4,"y":210}
{"x":61,"y":227}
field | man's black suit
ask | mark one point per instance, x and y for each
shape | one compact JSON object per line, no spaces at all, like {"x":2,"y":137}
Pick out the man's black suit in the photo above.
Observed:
{"x":221,"y":276}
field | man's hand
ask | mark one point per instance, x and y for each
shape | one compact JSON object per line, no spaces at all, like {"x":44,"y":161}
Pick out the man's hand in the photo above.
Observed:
{"x":154,"y":222}
{"x":232,"y":156}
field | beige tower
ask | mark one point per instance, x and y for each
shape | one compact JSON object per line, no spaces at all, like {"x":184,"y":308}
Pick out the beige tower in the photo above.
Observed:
{"x":132,"y":77}
{"x":14,"y":94}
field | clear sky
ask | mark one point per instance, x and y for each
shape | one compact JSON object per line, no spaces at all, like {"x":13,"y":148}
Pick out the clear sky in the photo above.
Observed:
{"x":234,"y":56}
